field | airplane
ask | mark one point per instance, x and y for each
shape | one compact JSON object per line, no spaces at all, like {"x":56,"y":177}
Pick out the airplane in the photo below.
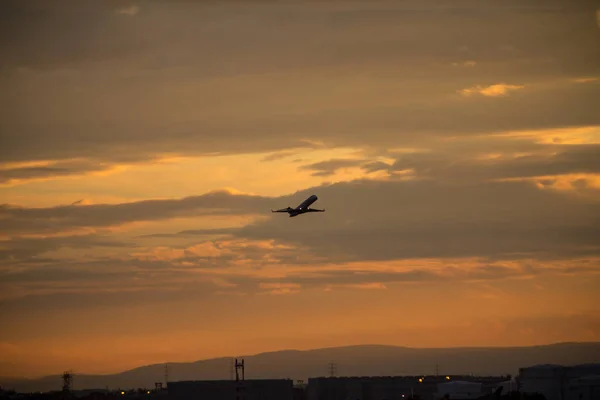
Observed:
{"x":302,"y":208}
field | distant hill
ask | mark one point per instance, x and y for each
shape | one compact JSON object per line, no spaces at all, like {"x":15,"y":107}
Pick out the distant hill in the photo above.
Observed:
{"x":351,"y":361}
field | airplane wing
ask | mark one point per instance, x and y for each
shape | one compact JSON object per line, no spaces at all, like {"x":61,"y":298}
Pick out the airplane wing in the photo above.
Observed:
{"x":314,"y":210}
{"x":281,"y":210}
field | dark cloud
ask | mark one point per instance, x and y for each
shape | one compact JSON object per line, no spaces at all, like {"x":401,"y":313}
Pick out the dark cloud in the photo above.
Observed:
{"x":338,"y":25}
{"x":545,"y":160}
{"x":375,"y":166}
{"x":330,"y":167}
{"x":367,"y":220}
{"x":413,"y":219}
{"x":20,"y":249}
{"x":55,"y":169}
{"x":192,"y":232}
{"x":278,"y":156}
{"x":408,"y":123}
{"x":55,"y":219}
{"x":344,"y":277}
{"x":85,"y":82}
{"x":198,"y":78}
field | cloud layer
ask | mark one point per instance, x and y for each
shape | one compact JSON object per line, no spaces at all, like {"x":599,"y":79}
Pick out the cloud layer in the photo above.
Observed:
{"x":454,"y":145}
{"x":210,"y":79}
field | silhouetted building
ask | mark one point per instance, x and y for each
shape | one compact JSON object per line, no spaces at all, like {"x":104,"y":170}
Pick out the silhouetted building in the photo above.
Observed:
{"x":300,"y":390}
{"x":459,"y":390}
{"x":250,"y":389}
{"x":555,"y":381}
{"x":388,"y":387}
{"x":584,"y":388}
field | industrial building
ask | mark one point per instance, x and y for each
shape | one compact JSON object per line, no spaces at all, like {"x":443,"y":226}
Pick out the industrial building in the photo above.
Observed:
{"x":252,"y":389}
{"x":558,"y":382}
{"x":584,"y":388}
{"x":398,"y":387}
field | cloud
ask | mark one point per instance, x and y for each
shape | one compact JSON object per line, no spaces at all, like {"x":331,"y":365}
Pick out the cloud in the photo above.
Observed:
{"x":534,"y":196}
{"x":540,"y":161}
{"x":491,"y":197}
{"x":279,"y":288}
{"x":586,"y":79}
{"x":279,"y":155}
{"x":55,"y":219}
{"x":329,"y":82}
{"x":456,"y":205}
{"x":10,"y":174}
{"x":425,"y":218}
{"x":390,"y":220}
{"x":499,"y":89}
{"x":130,"y":11}
{"x":330,"y":167}
{"x":19,"y":249}
{"x":262,"y":271}
{"x":469,"y":64}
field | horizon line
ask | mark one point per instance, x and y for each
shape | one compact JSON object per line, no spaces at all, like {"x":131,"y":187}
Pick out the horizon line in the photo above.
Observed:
{"x":307,"y":350}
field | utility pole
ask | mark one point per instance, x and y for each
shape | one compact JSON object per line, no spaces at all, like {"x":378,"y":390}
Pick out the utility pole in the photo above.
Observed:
{"x":240,"y":386}
{"x":166,"y":374}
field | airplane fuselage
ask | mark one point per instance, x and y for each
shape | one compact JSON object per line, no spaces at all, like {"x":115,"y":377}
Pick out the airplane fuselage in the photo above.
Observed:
{"x":306,"y":203}
{"x":304,"y":207}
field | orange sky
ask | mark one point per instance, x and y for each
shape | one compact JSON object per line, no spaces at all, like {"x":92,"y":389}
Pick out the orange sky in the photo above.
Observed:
{"x":143,"y":144}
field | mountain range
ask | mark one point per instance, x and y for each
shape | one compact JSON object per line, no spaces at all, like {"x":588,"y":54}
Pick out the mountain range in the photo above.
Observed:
{"x":362,"y":360}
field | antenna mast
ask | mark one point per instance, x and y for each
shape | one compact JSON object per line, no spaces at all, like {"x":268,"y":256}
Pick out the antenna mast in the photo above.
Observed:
{"x":332,"y":369}
{"x":67,"y":381}
{"x":239,"y":366}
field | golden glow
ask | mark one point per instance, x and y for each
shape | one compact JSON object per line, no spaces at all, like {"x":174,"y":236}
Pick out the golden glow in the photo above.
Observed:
{"x":178,"y":176}
{"x":500,"y":89}
{"x":586,"y":79}
{"x":578,"y":135}
{"x":565,"y":182}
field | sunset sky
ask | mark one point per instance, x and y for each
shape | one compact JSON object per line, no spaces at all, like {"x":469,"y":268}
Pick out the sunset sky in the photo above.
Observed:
{"x":455,"y":145}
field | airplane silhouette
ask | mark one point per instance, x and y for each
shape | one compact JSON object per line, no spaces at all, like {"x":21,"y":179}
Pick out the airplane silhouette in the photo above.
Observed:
{"x":302,"y":208}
